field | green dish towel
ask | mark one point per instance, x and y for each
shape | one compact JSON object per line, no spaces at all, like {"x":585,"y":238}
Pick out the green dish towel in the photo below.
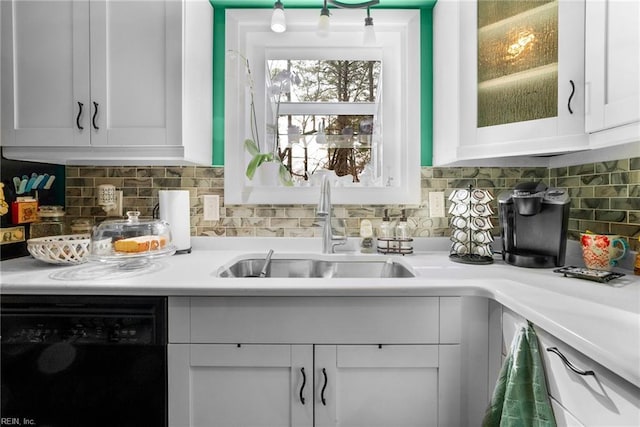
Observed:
{"x":520,"y":398}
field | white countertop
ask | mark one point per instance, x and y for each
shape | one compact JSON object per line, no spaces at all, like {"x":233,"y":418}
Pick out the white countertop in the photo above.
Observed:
{"x":600,"y":320}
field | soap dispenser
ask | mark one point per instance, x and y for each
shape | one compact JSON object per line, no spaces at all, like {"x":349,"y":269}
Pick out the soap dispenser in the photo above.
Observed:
{"x":402,"y":233}
{"x":366,"y":233}
{"x":385,"y":233}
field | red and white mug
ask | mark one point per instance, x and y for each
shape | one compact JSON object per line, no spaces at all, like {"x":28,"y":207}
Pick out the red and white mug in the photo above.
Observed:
{"x":602,"y":251}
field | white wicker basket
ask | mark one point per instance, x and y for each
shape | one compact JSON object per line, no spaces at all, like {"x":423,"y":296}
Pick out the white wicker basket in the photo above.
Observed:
{"x":68,"y":249}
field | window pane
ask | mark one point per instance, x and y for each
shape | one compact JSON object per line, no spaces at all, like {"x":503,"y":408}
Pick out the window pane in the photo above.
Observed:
{"x":325,"y":80}
{"x":308,"y":143}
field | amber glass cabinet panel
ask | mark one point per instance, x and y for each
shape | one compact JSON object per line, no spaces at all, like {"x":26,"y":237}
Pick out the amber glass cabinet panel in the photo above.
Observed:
{"x":517,"y":61}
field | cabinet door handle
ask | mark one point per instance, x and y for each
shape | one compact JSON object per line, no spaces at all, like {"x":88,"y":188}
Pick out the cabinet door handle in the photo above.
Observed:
{"x":80,"y":104}
{"x":95,"y":113}
{"x":569,"y":364}
{"x":304,"y":382}
{"x":322,"y":399}
{"x":573,"y":91}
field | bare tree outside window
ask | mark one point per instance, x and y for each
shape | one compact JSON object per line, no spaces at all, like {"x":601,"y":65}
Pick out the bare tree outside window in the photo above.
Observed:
{"x":328,"y":119}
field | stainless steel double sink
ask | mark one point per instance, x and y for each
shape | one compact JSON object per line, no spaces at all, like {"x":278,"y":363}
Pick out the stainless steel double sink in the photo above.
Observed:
{"x":317,"y":268}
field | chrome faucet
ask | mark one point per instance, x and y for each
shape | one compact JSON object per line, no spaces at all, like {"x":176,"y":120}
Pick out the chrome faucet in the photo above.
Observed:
{"x":324,"y":211}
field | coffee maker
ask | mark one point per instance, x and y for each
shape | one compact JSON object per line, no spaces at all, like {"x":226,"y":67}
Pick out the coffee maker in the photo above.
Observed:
{"x":534,"y":221}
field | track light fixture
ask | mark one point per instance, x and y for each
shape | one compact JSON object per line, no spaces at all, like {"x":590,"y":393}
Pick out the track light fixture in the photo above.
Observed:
{"x":278,"y":19}
{"x":323,"y":22}
{"x":361,"y":5}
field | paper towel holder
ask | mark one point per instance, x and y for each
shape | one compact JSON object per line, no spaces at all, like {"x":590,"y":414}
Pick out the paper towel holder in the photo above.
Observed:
{"x":155,"y":213}
{"x":173,"y":207}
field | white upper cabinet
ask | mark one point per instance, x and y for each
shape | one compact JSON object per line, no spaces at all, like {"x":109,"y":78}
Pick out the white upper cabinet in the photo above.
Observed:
{"x":45,"y":73}
{"x":508,"y":81}
{"x":612,"y":70}
{"x":135,"y":84}
{"x":106,"y":81}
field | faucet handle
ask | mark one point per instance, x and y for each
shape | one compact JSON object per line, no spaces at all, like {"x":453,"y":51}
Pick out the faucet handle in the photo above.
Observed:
{"x":343,"y":225}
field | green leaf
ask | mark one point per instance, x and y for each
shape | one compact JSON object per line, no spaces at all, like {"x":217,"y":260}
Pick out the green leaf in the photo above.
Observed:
{"x":251,"y":147}
{"x":253,"y":165}
{"x":285,"y":176}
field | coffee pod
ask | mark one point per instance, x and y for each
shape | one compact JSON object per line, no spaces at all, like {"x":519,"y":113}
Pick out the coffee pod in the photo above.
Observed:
{"x":482,"y":250}
{"x":459,"y":236}
{"x":480,"y":210}
{"x":481,"y":196}
{"x":481,"y":236}
{"x":460,"y":209}
{"x":459,"y":222}
{"x":460,"y":248}
{"x":480,"y":223}
{"x":460,"y":195}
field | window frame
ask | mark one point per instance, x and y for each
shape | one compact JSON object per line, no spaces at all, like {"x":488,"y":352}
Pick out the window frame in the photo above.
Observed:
{"x":398,"y":47}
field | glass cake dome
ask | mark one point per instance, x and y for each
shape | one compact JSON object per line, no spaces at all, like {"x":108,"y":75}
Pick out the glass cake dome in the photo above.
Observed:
{"x":133,"y":241}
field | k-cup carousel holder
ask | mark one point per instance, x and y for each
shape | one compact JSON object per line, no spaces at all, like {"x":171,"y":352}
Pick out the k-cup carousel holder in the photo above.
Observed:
{"x":471,"y":226}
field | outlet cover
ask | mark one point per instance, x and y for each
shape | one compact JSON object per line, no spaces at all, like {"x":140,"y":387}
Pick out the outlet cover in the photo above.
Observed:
{"x":211,"y":203}
{"x":436,"y":204}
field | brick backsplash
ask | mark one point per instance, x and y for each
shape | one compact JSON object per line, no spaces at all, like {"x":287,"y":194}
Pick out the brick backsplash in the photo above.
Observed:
{"x":605,"y":198}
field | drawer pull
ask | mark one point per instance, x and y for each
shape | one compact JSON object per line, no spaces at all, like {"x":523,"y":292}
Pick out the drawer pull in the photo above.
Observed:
{"x":95,"y":113}
{"x":569,"y":364}
{"x":573,"y":92}
{"x":80,"y":104}
{"x":324,"y":401}
{"x":304,"y":382}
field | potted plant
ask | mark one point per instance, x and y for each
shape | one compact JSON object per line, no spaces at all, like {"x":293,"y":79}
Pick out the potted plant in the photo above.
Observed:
{"x":268,"y":160}
{"x":263,"y":158}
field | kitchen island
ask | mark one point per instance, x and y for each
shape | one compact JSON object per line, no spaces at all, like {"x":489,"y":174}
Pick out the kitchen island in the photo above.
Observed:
{"x":601,"y":321}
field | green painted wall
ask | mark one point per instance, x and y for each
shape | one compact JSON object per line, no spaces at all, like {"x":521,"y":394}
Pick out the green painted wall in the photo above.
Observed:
{"x":317,"y":4}
{"x":426,"y":85}
{"x":426,"y":67}
{"x":219,"y":54}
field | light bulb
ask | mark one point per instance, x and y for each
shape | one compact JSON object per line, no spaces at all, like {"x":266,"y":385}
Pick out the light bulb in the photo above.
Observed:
{"x":278,"y":19}
{"x":323,"y":22}
{"x":369,"y":33}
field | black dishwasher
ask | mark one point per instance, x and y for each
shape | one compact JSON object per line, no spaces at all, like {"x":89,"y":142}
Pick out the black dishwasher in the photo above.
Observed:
{"x":85,"y":361}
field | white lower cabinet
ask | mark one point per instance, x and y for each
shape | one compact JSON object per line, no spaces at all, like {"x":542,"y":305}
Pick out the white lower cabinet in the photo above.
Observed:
{"x":323,"y":376}
{"x":599,"y":399}
{"x":384,"y":385}
{"x":290,"y":385}
{"x":248,"y":385}
{"x":563,"y":417}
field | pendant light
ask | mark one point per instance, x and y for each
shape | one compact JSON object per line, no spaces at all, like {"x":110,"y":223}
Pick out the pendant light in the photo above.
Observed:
{"x":278,"y":19}
{"x":369,"y":33}
{"x":323,"y":22}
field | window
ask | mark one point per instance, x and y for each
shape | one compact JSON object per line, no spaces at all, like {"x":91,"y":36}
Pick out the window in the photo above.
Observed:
{"x":333,"y":115}
{"x":325,"y":112}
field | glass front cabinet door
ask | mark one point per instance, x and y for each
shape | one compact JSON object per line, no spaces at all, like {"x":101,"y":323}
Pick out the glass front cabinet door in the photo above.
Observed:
{"x":521,"y":75}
